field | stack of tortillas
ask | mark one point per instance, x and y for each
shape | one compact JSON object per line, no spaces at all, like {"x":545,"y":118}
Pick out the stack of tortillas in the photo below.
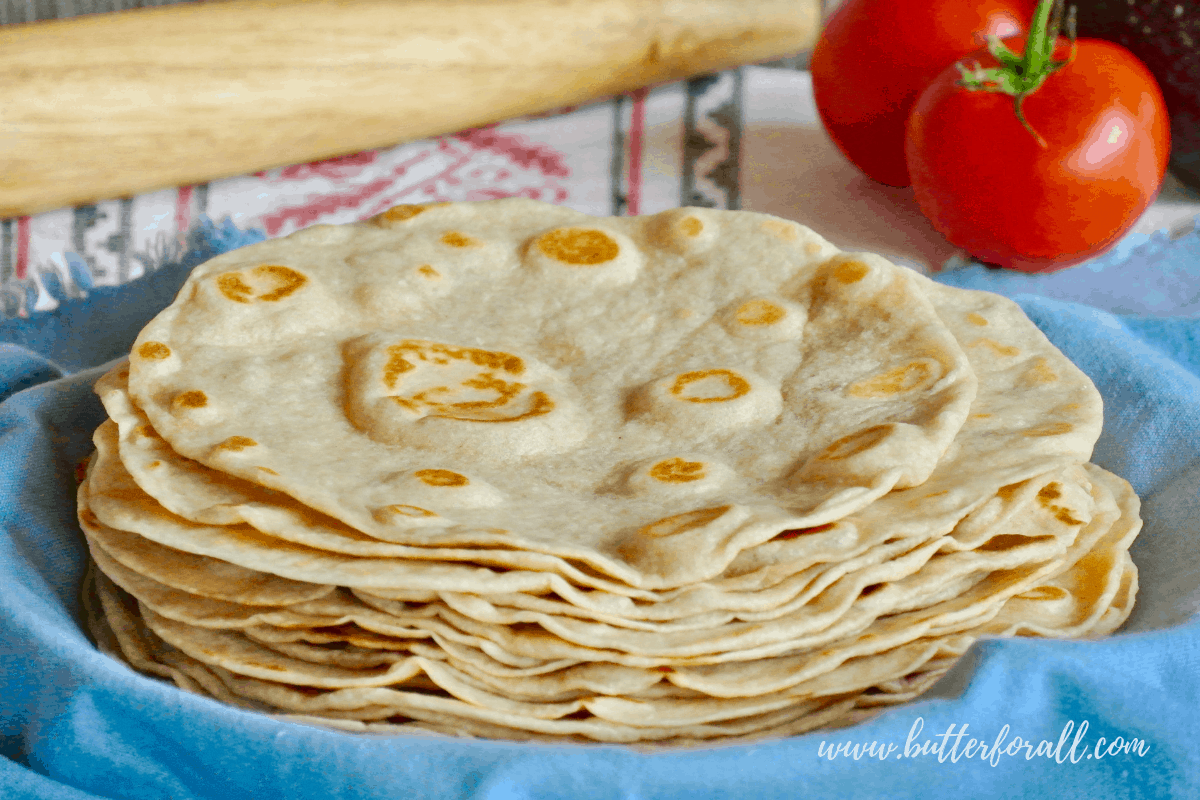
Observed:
{"x":504,"y":469}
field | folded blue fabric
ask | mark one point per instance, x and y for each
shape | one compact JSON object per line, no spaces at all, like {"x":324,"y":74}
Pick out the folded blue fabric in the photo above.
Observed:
{"x":82,"y":333}
{"x":1118,"y":716}
{"x":1156,"y":274}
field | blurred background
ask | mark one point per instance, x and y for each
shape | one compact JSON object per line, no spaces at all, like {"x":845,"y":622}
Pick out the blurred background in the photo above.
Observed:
{"x":746,"y":137}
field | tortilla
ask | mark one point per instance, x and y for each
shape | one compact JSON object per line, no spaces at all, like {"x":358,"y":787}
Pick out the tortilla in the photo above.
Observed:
{"x":503,"y":469}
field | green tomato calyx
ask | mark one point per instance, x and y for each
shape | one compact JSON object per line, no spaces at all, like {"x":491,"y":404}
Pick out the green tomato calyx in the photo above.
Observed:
{"x":1021,"y":76}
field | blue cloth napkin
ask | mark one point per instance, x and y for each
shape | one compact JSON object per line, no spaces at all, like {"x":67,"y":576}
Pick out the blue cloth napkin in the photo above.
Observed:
{"x":1118,"y":716}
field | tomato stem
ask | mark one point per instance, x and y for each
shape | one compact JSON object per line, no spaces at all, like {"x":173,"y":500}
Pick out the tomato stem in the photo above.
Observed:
{"x":1035,"y":45}
{"x":1020,"y":76}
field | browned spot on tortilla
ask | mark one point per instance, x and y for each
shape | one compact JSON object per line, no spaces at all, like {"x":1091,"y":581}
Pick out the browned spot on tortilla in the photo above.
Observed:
{"x":1050,"y":429}
{"x":996,"y":347}
{"x":677,"y":470}
{"x":402,"y":358}
{"x":280,"y":282}
{"x":1045,"y":497}
{"x":736,"y":385}
{"x":759,"y":312}
{"x":850,"y":272}
{"x":402,"y":213}
{"x":680,"y":523}
{"x":403,"y":510}
{"x":856,"y":443}
{"x":781,"y":229}
{"x":905,"y":378}
{"x":289,"y":281}
{"x":505,"y":400}
{"x":440,"y":477}
{"x":192,"y":399}
{"x":1041,"y":372}
{"x":154,"y":351}
{"x":584,"y":247}
{"x":456,"y":239}
{"x":237,"y":443}
{"x":1044,"y":593}
{"x":232,"y":286}
{"x":1064,"y":516}
{"x":1007,"y":492}
{"x":1051,"y":491}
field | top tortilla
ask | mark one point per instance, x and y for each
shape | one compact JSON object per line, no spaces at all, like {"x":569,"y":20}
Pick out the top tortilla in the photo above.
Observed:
{"x":648,"y":395}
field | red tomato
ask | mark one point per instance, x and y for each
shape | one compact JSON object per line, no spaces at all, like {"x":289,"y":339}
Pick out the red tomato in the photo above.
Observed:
{"x":984,"y":181}
{"x":875,"y":56}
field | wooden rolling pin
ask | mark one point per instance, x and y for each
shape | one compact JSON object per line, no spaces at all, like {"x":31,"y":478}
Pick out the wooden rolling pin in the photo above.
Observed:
{"x":116,"y":104}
